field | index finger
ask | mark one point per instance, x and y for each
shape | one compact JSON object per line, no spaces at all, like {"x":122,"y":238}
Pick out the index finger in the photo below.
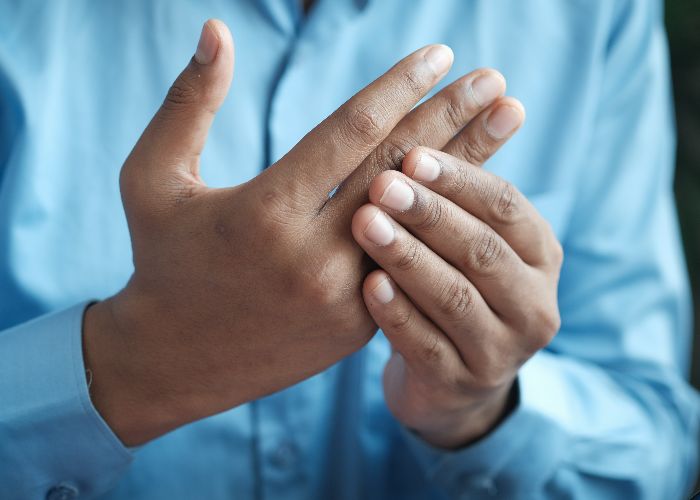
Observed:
{"x":334,"y":148}
{"x":491,"y":199}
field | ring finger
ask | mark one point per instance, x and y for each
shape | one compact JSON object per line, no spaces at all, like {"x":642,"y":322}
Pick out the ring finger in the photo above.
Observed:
{"x":464,"y":241}
{"x":436,"y":287}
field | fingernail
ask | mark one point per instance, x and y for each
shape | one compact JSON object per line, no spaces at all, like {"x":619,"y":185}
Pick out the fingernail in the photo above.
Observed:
{"x":383,"y":292}
{"x":501,"y":123}
{"x":427,"y":168}
{"x":486,"y":88}
{"x":207,"y":47}
{"x":379,"y":230}
{"x":439,"y":57}
{"x":398,"y":196}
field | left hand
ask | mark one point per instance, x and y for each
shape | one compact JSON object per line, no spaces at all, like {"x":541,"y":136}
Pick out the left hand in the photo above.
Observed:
{"x":466,"y":293}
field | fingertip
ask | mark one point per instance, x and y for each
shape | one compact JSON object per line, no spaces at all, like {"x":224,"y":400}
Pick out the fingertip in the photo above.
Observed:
{"x":216,"y":25}
{"x":515,"y":103}
{"x":420,"y":164}
{"x":361,"y":218}
{"x":371,"y":227}
{"x":408,"y":164}
{"x":440,"y":58}
{"x":220,"y":29}
{"x":374,"y":278}
{"x":380,"y":182}
{"x":449,"y":54}
{"x":215,"y":43}
{"x":486,"y":86}
{"x":378,"y":288}
{"x":208,"y":45}
{"x":506,"y":117}
{"x":495,"y":73}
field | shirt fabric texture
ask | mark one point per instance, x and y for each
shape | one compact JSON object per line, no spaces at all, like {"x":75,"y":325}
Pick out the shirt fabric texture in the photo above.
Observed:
{"x":605,"y":411}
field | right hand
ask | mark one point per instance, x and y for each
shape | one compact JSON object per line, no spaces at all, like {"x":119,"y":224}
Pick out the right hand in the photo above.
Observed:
{"x":243,"y":291}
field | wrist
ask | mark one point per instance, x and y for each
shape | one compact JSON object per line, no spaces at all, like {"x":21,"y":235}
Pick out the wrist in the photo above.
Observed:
{"x":466,"y":426}
{"x":123,"y":388}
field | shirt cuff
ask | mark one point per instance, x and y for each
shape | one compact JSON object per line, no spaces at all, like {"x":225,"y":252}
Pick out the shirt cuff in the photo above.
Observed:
{"x":512,"y":461}
{"x":53,"y":439}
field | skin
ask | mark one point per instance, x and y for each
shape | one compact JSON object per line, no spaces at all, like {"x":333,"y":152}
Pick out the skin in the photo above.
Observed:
{"x":243,"y":291}
{"x":490,"y":303}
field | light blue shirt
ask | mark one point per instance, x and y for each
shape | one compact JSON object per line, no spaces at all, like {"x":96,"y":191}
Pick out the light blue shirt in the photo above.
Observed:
{"x":603,"y":412}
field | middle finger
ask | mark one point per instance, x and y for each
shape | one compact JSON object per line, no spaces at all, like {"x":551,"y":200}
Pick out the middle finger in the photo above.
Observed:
{"x":460,"y":238}
{"x":432,"y":124}
{"x":439,"y":290}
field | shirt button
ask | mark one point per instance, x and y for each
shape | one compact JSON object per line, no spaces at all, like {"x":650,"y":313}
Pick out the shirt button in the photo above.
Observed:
{"x":62,"y":492}
{"x":487,"y":485}
{"x":285,"y":455}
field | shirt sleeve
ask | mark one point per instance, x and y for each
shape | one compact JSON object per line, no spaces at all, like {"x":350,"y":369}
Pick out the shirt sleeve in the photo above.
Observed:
{"x":53,"y":443}
{"x":606,"y":411}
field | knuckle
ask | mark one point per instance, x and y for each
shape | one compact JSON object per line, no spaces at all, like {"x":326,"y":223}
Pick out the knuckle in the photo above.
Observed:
{"x":277,"y":215}
{"x":401,"y":320}
{"x":475,"y":151}
{"x":326,"y":286}
{"x":544,"y":325}
{"x":454,"y":109}
{"x":431,"y":216}
{"x":461,"y":179}
{"x":457,"y":301}
{"x":390,"y":153}
{"x":180,"y":94}
{"x":272,"y":201}
{"x":414,"y":81}
{"x":410,"y":257}
{"x":549,"y":249}
{"x":431,"y":351}
{"x":557,"y":253}
{"x":364,"y":122}
{"x":552,"y":323}
{"x":487,"y":251}
{"x":505,"y":207}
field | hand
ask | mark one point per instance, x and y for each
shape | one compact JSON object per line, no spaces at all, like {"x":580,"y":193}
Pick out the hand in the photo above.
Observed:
{"x":243,"y":291}
{"x":467,"y":291}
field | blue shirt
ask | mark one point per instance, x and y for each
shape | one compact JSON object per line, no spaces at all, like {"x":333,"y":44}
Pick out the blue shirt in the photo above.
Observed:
{"x":603,"y":412}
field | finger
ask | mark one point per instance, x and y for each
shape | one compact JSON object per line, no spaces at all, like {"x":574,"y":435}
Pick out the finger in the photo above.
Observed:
{"x":431,"y":124}
{"x":461,"y":239}
{"x":487,"y":132}
{"x":424,"y":347}
{"x":332,"y":150}
{"x":175,"y":137}
{"x":433,"y":285}
{"x":491,"y":199}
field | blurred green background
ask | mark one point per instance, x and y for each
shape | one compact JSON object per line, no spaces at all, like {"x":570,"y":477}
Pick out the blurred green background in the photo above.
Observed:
{"x":683,"y":25}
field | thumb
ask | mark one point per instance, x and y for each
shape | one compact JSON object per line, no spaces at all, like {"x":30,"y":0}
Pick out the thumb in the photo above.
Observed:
{"x":176,"y":135}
